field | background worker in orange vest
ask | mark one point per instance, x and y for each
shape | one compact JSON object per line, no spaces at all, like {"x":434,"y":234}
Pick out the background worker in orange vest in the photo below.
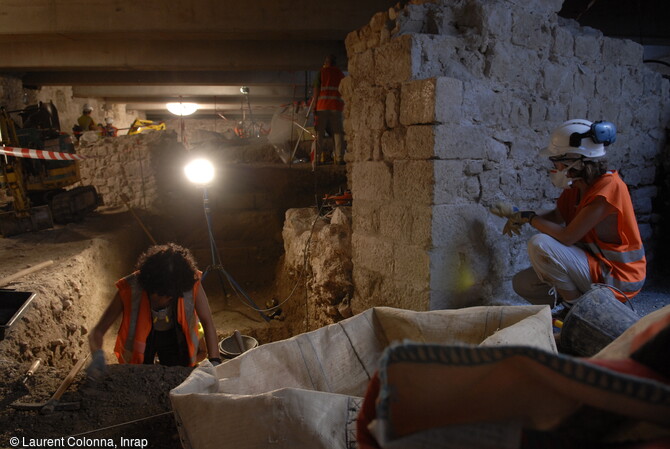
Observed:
{"x":162,"y":306}
{"x":110,"y":130}
{"x":328,"y":109}
{"x":592,"y":235}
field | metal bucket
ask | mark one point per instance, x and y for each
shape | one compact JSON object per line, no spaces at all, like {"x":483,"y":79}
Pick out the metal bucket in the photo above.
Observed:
{"x":229,"y":349}
{"x":594,"y":322}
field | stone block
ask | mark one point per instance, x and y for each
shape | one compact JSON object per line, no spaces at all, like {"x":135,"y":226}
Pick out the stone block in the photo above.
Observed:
{"x":578,"y":107}
{"x":368,"y":289}
{"x":542,"y":7}
{"x":395,"y":222}
{"x":622,"y":52}
{"x":653,"y":83}
{"x":393,"y":62}
{"x":462,"y":141}
{"x":411,"y":266}
{"x":354,"y":44}
{"x":538,"y":115}
{"x":496,"y":18}
{"x":393,"y":144}
{"x":392,"y":111}
{"x":528,"y":31}
{"x":587,"y":49}
{"x":418,"y":102}
{"x":413,"y":181}
{"x":564,"y":43}
{"x":366,"y":216}
{"x":557,"y":79}
{"x":378,"y":21}
{"x":364,"y":145}
{"x":431,"y":100}
{"x":362,"y":66}
{"x":608,"y":82}
{"x":372,"y":180}
{"x":452,"y":185}
{"x":642,"y":199}
{"x":420,"y":141}
{"x":406,"y":223}
{"x":372,"y":253}
{"x":632,"y":84}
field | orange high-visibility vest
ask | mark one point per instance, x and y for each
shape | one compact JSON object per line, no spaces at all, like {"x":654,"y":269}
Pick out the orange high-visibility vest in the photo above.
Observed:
{"x":136,"y":321}
{"x":329,"y":90}
{"x":621,"y":264}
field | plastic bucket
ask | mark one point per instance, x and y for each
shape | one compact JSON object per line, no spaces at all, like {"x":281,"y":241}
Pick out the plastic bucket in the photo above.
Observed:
{"x":594,"y":322}
{"x":229,"y":349}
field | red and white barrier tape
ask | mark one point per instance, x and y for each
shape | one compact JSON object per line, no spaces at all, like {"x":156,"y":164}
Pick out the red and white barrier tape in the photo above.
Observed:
{"x":40,"y":154}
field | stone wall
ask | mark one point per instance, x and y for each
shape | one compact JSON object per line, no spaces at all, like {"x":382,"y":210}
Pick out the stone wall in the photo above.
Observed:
{"x":70,"y":108}
{"x":136,"y":166}
{"x":447,"y":106}
{"x":318,"y":249}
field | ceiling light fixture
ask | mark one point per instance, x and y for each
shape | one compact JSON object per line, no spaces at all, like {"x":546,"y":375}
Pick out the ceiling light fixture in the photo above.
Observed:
{"x":182,"y":109}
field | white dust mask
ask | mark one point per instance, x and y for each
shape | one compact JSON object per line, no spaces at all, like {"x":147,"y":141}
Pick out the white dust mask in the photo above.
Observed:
{"x":560,"y":178}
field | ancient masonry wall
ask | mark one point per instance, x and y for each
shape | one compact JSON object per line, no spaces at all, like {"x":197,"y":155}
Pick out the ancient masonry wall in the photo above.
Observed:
{"x":447,"y":106}
{"x":131,"y":167}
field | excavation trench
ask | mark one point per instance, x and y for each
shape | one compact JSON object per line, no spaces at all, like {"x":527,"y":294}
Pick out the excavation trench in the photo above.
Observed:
{"x":88,"y":257}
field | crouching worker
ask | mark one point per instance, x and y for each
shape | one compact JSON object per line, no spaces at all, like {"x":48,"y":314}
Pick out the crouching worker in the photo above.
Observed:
{"x":592,"y":235}
{"x":162,"y":305}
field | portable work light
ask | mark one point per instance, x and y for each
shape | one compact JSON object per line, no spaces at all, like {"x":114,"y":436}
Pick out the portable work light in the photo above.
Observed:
{"x":201,"y":172}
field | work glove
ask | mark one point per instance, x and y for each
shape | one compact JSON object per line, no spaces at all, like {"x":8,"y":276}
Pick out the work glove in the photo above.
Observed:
{"x":97,"y":368}
{"x":515,"y":218}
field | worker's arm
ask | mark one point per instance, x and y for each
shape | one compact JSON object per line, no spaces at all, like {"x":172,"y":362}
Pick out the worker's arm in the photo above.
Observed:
{"x":585,"y":220}
{"x":109,"y":316}
{"x":553,"y":216}
{"x":205,"y":315}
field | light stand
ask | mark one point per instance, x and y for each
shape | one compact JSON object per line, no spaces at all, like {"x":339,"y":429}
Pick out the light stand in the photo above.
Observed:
{"x":201,"y":172}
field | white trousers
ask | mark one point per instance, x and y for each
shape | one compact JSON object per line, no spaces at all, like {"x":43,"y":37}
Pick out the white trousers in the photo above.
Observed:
{"x":553,"y":266}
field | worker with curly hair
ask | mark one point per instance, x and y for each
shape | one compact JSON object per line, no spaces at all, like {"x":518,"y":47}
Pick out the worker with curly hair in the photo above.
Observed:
{"x":164,"y":313}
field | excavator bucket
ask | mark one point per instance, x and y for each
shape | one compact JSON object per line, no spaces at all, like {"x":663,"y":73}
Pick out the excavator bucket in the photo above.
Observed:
{"x":39,"y":218}
{"x":74,"y":204}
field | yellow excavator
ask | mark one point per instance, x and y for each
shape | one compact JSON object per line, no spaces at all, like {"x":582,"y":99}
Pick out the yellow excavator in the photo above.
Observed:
{"x":142,"y":126}
{"x":38,"y":167}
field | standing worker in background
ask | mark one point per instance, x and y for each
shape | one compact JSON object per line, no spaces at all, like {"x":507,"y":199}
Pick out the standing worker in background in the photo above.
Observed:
{"x":86,"y":122}
{"x":162,"y":305}
{"x":328,"y":109}
{"x":592,"y":235}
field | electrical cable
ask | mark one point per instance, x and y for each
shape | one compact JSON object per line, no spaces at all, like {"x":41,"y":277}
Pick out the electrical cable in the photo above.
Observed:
{"x":302,"y":270}
{"x":121,"y":424}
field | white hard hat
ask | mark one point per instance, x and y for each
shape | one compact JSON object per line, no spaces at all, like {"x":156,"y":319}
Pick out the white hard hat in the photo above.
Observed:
{"x":109,"y":120}
{"x":574,"y":136}
{"x":87,"y":107}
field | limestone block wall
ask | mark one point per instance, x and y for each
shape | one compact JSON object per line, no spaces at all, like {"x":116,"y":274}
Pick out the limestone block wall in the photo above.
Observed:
{"x":135,"y":166}
{"x":70,"y":108}
{"x":447,"y":106}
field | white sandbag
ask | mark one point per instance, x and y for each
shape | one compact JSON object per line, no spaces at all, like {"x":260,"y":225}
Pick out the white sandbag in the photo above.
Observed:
{"x":305,"y":392}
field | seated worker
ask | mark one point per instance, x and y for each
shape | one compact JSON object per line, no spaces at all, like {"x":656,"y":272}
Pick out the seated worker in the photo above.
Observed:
{"x":591,"y":236}
{"x":162,"y":305}
{"x":110,"y":130}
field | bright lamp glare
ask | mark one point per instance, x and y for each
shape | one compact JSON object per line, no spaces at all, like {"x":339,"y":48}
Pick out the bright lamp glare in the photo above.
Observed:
{"x":182,"y":108}
{"x":199,"y":171}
